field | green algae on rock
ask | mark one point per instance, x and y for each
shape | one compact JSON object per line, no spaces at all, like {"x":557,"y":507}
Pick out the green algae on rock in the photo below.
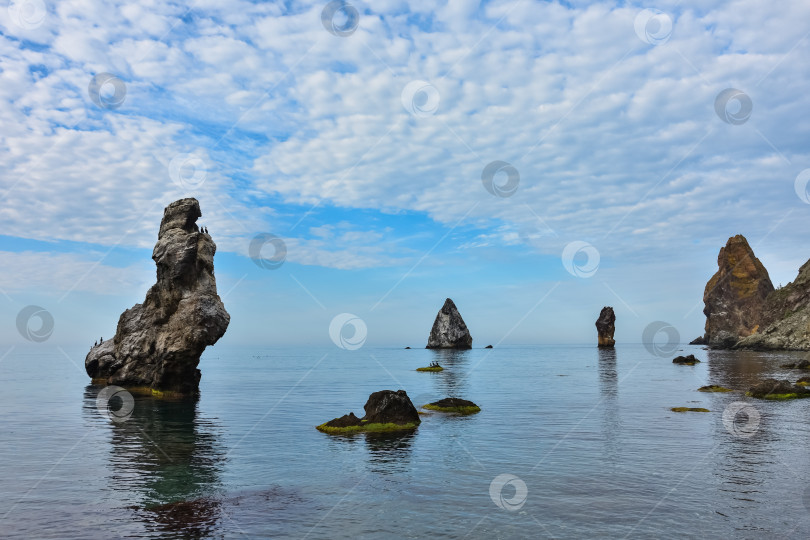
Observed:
{"x":431,"y":368}
{"x":689,"y":409}
{"x":366,"y":427}
{"x":714,"y":388}
{"x":386,"y":410}
{"x":776,"y":390}
{"x":453,"y":405}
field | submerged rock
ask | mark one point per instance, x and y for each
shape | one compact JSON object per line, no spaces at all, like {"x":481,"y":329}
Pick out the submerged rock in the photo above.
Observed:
{"x":605,"y":327}
{"x":688,"y":360}
{"x":735,"y":295}
{"x":386,"y":410}
{"x":777,"y":390}
{"x":454,"y":405}
{"x":449,"y":330}
{"x":689,"y":409}
{"x":158,"y":344}
{"x":801,"y":364}
{"x":714,"y":388}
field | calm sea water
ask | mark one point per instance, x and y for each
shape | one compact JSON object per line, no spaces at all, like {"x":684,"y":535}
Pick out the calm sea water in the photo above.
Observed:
{"x":589,"y":434}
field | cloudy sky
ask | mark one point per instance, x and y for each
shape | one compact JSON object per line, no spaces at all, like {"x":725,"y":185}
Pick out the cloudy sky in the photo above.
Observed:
{"x":533,"y":160}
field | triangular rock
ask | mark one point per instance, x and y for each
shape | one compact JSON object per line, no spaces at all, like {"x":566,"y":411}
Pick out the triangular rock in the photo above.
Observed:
{"x":449,"y":330}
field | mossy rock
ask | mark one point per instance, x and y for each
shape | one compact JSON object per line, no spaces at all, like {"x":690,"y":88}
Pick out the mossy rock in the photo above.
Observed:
{"x":804,"y":381}
{"x":688,"y":360}
{"x":366,"y":427}
{"x":155,"y":393}
{"x":434,"y":369}
{"x":453,"y":405}
{"x":780,"y":397}
{"x":776,"y":390}
{"x":714,"y":388}
{"x":689,"y":409}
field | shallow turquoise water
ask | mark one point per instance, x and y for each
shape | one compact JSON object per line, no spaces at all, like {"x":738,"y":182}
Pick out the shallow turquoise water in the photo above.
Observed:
{"x":590,"y":435}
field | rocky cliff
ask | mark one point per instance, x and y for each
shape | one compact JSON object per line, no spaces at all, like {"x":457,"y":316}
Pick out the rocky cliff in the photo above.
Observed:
{"x":605,"y":327}
{"x":785,"y":322}
{"x":158,"y":343}
{"x":449,"y":330}
{"x":734,"y":297}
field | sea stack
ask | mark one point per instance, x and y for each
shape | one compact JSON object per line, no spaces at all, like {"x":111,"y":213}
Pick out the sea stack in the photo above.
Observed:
{"x":449,"y":330}
{"x":605,"y":326}
{"x":735,"y":295}
{"x":158,"y":344}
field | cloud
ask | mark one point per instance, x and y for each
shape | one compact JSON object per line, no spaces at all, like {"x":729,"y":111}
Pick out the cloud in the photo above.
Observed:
{"x":68,"y":273}
{"x":616,"y":140}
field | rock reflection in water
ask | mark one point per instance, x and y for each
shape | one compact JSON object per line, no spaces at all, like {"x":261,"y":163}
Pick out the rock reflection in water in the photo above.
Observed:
{"x":169,"y":460}
{"x":609,"y":390}
{"x":390,"y":453}
{"x":453,"y":381}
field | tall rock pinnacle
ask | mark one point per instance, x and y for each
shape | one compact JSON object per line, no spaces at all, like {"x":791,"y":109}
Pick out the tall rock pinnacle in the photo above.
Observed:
{"x":158,"y":343}
{"x":735,"y":295}
{"x":606,"y":326}
{"x":449,"y":330}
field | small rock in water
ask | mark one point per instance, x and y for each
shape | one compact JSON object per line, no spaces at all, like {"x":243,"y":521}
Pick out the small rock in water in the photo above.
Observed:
{"x":777,"y":390}
{"x":714,"y":388}
{"x":802,"y":364}
{"x":688,"y":360}
{"x":689,"y":409}
{"x":454,"y":405}
{"x":386,"y":410}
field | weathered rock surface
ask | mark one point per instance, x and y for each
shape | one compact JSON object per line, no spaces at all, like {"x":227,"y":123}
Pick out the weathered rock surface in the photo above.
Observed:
{"x":605,"y":327}
{"x":449,"y":330}
{"x":785,"y":322}
{"x":735,"y":296}
{"x":158,"y":344}
{"x":387,"y":406}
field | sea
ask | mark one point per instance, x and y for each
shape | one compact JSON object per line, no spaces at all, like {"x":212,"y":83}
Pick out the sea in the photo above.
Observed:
{"x":571,"y":442}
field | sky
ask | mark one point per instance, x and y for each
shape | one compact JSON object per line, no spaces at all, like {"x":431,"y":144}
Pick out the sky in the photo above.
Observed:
{"x":533,"y":161}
